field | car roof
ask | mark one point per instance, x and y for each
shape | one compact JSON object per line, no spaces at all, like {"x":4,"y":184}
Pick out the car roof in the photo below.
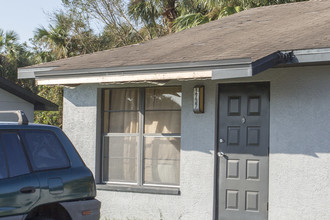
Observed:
{"x":16,"y":125}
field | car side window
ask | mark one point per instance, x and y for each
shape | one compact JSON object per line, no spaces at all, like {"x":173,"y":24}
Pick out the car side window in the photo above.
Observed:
{"x":44,"y":150}
{"x":17,"y":162}
{"x":3,"y":164}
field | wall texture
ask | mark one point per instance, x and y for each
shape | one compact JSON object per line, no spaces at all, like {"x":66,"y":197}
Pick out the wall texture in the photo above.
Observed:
{"x":79,"y":120}
{"x":9,"y":101}
{"x":299,"y":173}
{"x":299,"y":144}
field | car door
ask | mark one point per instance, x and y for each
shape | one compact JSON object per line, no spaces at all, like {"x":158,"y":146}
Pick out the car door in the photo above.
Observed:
{"x":19,"y":188}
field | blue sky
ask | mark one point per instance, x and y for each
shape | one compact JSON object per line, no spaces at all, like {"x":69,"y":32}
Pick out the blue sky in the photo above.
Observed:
{"x":24,"y":16}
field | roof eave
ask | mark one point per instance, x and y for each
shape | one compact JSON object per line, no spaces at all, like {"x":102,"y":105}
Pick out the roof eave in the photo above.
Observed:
{"x":215,"y":70}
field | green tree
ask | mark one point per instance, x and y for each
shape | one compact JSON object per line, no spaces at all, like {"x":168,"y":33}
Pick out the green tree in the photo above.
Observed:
{"x":202,"y":11}
{"x":112,"y":14}
{"x":14,"y":55}
{"x":157,"y":16}
{"x":66,"y":36}
{"x":55,"y":95}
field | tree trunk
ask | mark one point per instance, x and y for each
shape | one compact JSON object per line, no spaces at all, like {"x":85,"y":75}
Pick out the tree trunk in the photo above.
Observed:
{"x":170,"y":14}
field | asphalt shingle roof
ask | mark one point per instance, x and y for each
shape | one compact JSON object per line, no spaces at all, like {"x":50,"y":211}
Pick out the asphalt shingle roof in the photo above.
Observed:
{"x":254,"y":34}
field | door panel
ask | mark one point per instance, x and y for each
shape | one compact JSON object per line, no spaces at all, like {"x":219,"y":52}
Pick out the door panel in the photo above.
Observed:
{"x":243,"y":151}
{"x":18,"y":194}
{"x":19,"y":189}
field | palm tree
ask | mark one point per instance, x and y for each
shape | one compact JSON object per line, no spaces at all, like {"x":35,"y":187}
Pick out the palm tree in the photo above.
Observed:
{"x":10,"y":51}
{"x":216,"y":9}
{"x":9,"y":45}
{"x":57,"y":37}
{"x":154,"y":14}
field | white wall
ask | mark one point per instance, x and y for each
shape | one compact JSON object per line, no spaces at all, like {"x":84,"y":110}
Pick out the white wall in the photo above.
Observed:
{"x":300,"y":144}
{"x":9,"y":101}
{"x":299,"y":162}
{"x":79,"y":120}
{"x":299,"y":170}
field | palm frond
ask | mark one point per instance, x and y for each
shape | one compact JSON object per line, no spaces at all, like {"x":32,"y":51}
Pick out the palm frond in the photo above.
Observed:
{"x":189,"y":20}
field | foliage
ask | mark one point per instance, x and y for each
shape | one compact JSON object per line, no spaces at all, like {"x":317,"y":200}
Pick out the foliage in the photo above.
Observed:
{"x":14,"y":55}
{"x":203,"y":11}
{"x":66,"y":36}
{"x":55,"y":95}
{"x":113,"y":16}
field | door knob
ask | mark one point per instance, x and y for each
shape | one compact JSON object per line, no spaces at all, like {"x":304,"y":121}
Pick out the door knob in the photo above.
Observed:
{"x":222,"y":140}
{"x":221,"y":154}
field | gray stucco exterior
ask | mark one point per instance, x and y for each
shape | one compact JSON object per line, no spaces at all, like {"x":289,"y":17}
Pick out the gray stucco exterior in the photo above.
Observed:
{"x":9,"y":101}
{"x":299,"y":160}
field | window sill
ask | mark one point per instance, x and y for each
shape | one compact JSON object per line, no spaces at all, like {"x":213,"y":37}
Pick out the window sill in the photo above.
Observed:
{"x":140,"y":189}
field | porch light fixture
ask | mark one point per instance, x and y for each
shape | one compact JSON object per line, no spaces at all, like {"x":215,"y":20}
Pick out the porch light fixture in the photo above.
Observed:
{"x":198,"y":102}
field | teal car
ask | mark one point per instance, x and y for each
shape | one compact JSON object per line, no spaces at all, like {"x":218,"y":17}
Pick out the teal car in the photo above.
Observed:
{"x":42,"y":176}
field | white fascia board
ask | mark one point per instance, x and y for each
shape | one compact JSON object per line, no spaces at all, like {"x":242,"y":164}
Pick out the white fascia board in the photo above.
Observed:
{"x":122,"y":78}
{"x":29,"y":73}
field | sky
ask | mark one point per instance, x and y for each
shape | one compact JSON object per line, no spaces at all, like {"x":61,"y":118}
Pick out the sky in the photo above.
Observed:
{"x":24,"y":16}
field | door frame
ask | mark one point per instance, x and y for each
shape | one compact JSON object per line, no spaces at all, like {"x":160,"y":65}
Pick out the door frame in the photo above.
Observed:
{"x":216,"y":146}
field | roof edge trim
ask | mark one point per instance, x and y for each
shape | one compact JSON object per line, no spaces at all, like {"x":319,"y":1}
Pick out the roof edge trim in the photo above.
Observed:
{"x":29,"y":73}
{"x":310,"y":56}
{"x":169,"y":67}
{"x":253,"y":68}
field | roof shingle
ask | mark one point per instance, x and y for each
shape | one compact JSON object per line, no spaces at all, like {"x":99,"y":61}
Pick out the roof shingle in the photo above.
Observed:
{"x":254,"y":34}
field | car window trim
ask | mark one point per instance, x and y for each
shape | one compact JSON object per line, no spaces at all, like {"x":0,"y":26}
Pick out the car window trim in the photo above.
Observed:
{"x":15,"y":131}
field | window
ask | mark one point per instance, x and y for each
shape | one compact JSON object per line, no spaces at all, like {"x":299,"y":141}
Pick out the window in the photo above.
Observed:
{"x":17,"y":162}
{"x":141,"y":136}
{"x":44,"y":150}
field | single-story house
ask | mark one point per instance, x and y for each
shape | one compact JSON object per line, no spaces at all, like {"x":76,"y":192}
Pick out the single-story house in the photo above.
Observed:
{"x":14,"y":97}
{"x":227,"y":120}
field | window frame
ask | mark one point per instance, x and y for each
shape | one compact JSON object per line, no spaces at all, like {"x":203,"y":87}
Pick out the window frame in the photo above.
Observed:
{"x":139,"y":186}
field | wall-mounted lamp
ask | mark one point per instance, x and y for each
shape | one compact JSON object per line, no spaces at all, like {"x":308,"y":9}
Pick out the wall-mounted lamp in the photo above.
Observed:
{"x":198,"y":102}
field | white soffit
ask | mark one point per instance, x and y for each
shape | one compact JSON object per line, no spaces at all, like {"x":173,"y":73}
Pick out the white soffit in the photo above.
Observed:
{"x":124,"y":78}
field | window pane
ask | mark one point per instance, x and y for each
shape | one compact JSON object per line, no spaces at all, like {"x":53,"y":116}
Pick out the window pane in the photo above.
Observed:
{"x":120,"y":159}
{"x":123,"y":122}
{"x":163,"y":110}
{"x":106,"y":128}
{"x":124,"y":99}
{"x":44,"y":150}
{"x":15,"y":155}
{"x":162,"y":160}
{"x":3,"y":165}
{"x":163,"y":98}
{"x":106,"y":98}
{"x":162,"y":122}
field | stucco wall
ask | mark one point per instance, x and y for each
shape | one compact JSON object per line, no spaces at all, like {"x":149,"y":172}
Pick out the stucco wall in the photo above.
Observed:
{"x":79,"y":120}
{"x":9,"y":101}
{"x":300,"y":144}
{"x":299,"y":161}
{"x":196,"y":199}
{"x":299,"y":173}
